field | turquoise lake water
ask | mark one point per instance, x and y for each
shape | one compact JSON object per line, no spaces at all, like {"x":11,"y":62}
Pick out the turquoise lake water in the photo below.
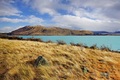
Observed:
{"x":113,"y":42}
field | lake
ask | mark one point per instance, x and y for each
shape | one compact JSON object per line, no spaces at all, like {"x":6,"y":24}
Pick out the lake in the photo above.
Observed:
{"x":113,"y":42}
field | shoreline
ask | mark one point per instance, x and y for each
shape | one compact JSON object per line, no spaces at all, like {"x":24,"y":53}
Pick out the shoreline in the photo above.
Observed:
{"x":94,"y":46}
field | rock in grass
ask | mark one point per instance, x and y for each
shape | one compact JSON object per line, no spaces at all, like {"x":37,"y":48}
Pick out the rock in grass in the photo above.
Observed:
{"x":40,"y":61}
{"x":84,"y":69}
{"x":105,"y":74}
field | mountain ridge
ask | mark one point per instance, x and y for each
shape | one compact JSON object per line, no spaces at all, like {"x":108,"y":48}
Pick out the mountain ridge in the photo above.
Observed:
{"x":41,"y":30}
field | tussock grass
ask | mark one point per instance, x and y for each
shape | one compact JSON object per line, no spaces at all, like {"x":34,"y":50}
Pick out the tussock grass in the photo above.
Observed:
{"x":66,"y":62}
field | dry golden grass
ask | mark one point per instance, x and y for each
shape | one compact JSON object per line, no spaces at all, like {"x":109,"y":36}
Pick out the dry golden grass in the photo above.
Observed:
{"x":65,"y":62}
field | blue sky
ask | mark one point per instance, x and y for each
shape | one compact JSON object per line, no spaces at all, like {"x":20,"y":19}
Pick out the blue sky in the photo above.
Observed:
{"x":95,"y":15}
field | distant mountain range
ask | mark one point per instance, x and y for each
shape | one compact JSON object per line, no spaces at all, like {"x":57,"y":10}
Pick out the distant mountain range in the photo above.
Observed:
{"x":106,"y":33}
{"x":100,"y":32}
{"x":117,"y":32}
{"x":41,"y":30}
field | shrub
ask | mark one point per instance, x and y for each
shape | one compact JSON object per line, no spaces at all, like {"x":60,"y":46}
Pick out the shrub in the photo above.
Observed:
{"x":94,"y":46}
{"x":34,"y":39}
{"x":80,"y":44}
{"x":49,"y":41}
{"x":73,"y":44}
{"x":61,"y":42}
{"x":11,"y":37}
{"x":105,"y":48}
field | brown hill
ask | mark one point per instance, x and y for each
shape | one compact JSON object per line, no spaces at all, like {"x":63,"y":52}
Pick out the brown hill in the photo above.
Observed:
{"x":41,"y":30}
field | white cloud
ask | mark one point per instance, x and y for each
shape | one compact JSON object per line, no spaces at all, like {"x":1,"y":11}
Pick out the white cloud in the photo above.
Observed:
{"x":42,"y":6}
{"x":33,"y":20}
{"x":100,"y":9}
{"x":30,"y":19}
{"x":7,"y":29}
{"x":70,"y":21}
{"x":50,"y":7}
{"x":7,"y":9}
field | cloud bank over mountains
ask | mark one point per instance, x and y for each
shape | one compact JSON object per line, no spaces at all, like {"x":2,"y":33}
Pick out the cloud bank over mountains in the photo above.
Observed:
{"x":92,"y":15}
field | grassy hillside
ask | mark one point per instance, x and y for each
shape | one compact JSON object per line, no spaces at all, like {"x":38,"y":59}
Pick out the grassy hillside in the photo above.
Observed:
{"x":41,"y":30}
{"x":65,"y":62}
